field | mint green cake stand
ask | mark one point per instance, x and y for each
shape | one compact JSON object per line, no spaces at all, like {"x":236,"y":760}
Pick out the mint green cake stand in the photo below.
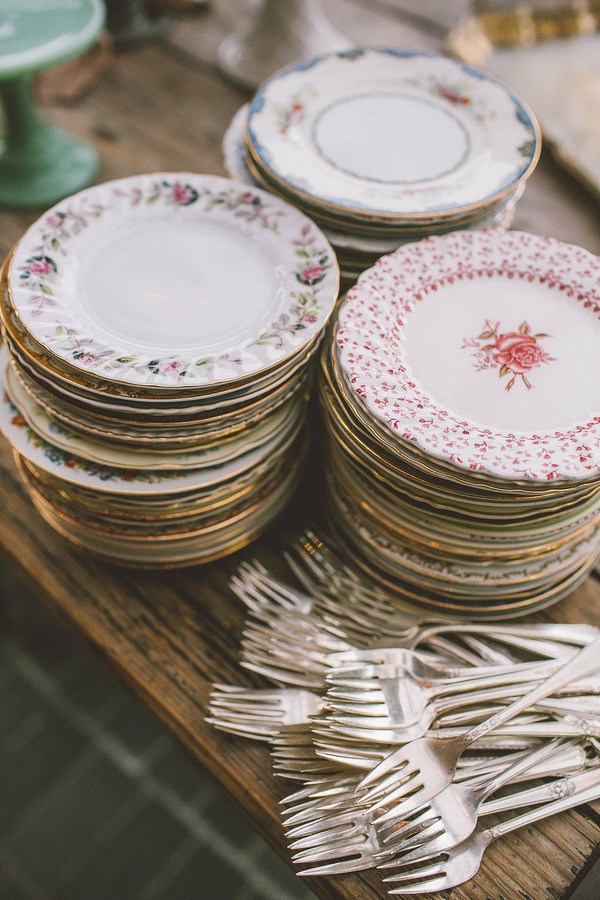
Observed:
{"x":40,"y":164}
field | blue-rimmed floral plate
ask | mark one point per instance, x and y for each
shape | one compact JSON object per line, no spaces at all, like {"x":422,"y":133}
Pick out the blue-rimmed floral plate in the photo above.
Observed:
{"x":391,"y":133}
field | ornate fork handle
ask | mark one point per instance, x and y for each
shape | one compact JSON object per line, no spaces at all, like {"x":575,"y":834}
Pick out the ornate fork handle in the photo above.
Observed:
{"x":584,"y":663}
{"x":553,"y":790}
{"x":572,"y":798}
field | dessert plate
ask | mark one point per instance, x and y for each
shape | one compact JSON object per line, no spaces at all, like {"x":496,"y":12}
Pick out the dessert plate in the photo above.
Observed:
{"x":482,"y":349}
{"x":123,"y":457}
{"x":435,"y":573}
{"x":77,"y":470}
{"x":391,"y":133}
{"x":170,"y":280}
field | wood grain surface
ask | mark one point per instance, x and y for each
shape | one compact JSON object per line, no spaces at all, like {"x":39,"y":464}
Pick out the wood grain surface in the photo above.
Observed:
{"x":171,"y":635}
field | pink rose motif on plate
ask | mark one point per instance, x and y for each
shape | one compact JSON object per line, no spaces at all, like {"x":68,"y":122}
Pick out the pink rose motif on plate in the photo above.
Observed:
{"x":37,"y":267}
{"x":184,"y":194}
{"x":311,"y":275}
{"x":167,"y":366}
{"x":56,"y":219}
{"x":513,"y":353}
{"x":289,"y":116}
{"x":86,"y":359}
{"x":453,"y":95}
{"x":170,"y":366}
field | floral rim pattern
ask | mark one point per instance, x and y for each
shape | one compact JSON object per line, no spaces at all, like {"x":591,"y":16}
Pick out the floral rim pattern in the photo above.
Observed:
{"x":388,"y":292}
{"x":307,"y":264}
{"x":64,"y":440}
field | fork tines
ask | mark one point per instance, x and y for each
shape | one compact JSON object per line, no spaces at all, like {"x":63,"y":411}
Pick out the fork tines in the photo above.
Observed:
{"x":350,"y":696}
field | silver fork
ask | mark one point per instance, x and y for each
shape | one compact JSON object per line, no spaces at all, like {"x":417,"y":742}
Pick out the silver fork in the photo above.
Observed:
{"x":322,"y":783}
{"x":426,"y":766}
{"x":433,"y":837}
{"x":295,"y":740}
{"x":379,"y":730}
{"x":573,"y":758}
{"x":348,"y":838}
{"x":389,"y":662}
{"x":292,"y":649}
{"x":460,"y":863}
{"x":456,"y":808}
{"x":328,"y":828}
{"x":289,"y":648}
{"x":302,"y":817}
{"x":403,"y":699}
{"x":522,"y":733}
{"x":375,"y":720}
{"x":294,"y":756}
{"x":257,"y":589}
{"x":260,"y":714}
{"x":321,"y":571}
{"x":328,"y":795}
{"x":367,"y":755}
{"x":269,"y":600}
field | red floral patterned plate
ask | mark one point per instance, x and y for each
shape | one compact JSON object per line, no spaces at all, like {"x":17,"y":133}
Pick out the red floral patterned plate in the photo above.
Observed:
{"x":483,"y":350}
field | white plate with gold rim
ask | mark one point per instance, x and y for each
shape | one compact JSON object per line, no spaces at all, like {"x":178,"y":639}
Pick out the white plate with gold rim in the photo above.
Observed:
{"x":230,"y":404}
{"x":124,"y":458}
{"x":221,"y":538}
{"x":104,"y":394}
{"x":77,"y":470}
{"x":173,"y":279}
{"x":446,"y":572}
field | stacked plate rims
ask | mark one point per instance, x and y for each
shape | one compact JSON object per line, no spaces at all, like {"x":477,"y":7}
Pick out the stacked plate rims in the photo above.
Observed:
{"x":381,"y":147}
{"x":159,"y":335}
{"x":461,"y":394}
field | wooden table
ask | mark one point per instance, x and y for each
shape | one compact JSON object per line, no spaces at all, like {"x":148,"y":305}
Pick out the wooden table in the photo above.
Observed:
{"x":165,"y":107}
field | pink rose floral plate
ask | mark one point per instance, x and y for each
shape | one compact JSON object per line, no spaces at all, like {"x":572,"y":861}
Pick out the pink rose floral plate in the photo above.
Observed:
{"x":483,"y":350}
{"x":173,"y":279}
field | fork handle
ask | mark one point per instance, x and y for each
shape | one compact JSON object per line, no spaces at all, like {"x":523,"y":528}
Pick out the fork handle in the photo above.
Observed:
{"x":584,"y":663}
{"x":574,"y":798}
{"x":527,"y":761}
{"x":567,"y":634}
{"x":566,"y":773}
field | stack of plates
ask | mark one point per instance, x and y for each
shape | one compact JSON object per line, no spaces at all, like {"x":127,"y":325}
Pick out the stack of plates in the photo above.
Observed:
{"x":159,"y":336}
{"x":462,"y":404}
{"x":381,"y":147}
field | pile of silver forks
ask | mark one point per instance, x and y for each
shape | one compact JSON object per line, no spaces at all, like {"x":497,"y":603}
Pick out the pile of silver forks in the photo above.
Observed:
{"x":405,"y":734}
